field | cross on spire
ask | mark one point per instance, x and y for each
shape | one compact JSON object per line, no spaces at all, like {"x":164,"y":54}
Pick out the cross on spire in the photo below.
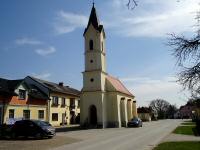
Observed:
{"x":93,"y":3}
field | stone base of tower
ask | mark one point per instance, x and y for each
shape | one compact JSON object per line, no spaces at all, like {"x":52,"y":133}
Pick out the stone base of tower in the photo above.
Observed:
{"x":114,"y":124}
{"x":106,"y":109}
{"x":92,"y":110}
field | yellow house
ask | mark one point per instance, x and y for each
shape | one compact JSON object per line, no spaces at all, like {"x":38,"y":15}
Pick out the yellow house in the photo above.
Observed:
{"x":105,"y":101}
{"x":32,"y":98}
{"x":64,"y":103}
{"x":19,"y":101}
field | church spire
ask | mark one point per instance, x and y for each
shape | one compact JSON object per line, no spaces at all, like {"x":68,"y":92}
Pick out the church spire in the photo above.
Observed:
{"x":93,"y":3}
{"x":94,"y":20}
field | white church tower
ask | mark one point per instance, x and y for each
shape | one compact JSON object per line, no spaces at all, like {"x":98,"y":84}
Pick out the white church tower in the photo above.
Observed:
{"x":105,"y":102}
{"x":93,"y":92}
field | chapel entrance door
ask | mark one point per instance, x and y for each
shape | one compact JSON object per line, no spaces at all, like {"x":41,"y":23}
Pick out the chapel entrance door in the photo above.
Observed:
{"x":93,"y":115}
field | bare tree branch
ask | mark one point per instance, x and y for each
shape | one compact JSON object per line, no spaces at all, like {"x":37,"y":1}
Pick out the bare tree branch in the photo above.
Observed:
{"x":190,"y":78}
{"x":187,"y":53}
{"x":132,"y":4}
{"x":184,"y":48}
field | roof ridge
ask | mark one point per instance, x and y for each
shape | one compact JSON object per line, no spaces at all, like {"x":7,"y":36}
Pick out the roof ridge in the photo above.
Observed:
{"x":36,"y":79}
{"x":56,"y":87}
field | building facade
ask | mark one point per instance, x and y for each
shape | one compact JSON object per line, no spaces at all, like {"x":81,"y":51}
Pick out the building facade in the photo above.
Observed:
{"x":63,"y":104}
{"x":105,"y":101}
{"x":144,"y":113}
{"x":18,"y":102}
{"x":186,"y":111}
{"x":32,"y":98}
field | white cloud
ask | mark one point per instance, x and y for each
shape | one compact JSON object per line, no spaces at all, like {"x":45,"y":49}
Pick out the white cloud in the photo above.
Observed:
{"x":45,"y":51}
{"x":146,"y":89}
{"x":67,"y":22}
{"x":44,"y":76}
{"x":27,"y":41}
{"x":36,"y":43}
{"x":152,"y":18}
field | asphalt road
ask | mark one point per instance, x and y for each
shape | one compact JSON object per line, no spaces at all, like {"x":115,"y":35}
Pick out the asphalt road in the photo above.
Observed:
{"x":144,"y":138}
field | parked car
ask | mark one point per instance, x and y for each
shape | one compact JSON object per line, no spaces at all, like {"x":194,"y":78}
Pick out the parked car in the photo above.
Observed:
{"x":5,"y":131}
{"x":32,"y":128}
{"x":135,"y":122}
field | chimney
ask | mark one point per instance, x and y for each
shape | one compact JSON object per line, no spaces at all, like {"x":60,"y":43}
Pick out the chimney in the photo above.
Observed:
{"x":61,"y":83}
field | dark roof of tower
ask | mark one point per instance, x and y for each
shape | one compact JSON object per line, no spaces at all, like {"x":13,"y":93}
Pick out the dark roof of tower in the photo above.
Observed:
{"x":94,"y":21}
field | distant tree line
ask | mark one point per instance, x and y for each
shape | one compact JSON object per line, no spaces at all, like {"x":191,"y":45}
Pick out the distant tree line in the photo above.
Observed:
{"x":161,"y":109}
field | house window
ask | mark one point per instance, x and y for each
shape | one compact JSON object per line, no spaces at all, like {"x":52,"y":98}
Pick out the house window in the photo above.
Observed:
{"x":55,"y":101}
{"x":22,"y":94}
{"x":26,"y":114}
{"x":91,"y":44}
{"x":91,"y":61}
{"x":11,"y":113}
{"x":40,"y":114}
{"x":79,"y":103}
{"x":63,"y":102}
{"x":54,"y":116}
{"x":72,"y":103}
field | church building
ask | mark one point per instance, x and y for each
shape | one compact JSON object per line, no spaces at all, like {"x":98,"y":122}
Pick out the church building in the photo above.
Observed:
{"x":105,"y":101}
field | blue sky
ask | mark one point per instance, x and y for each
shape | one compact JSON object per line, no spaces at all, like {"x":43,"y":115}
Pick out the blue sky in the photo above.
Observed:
{"x":45,"y":39}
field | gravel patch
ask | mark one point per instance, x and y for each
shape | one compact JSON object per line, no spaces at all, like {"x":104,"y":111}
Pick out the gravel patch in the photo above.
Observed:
{"x":32,"y":144}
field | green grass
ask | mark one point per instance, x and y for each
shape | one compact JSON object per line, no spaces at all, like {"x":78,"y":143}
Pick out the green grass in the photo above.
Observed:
{"x":178,"y":146}
{"x":187,"y":130}
{"x":188,"y":123}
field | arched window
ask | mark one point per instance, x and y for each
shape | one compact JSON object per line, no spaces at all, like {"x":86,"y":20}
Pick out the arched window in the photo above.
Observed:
{"x":91,"y":44}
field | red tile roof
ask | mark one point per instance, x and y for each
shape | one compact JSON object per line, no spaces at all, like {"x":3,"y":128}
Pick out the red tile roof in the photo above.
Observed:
{"x":118,"y":85}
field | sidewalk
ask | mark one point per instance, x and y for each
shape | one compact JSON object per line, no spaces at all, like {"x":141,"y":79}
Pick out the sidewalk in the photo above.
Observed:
{"x":173,"y":137}
{"x":68,"y":128}
{"x":180,"y":137}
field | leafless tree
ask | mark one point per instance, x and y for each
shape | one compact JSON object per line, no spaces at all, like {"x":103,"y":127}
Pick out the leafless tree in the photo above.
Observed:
{"x":172,"y":109}
{"x":160,"y":107}
{"x":131,"y":4}
{"x":187,"y":53}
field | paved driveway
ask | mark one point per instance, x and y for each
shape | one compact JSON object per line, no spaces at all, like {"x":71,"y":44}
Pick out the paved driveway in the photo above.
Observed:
{"x":144,"y":138}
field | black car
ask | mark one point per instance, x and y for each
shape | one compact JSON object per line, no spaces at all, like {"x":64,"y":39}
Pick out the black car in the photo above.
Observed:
{"x":32,"y":128}
{"x":135,"y":122}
